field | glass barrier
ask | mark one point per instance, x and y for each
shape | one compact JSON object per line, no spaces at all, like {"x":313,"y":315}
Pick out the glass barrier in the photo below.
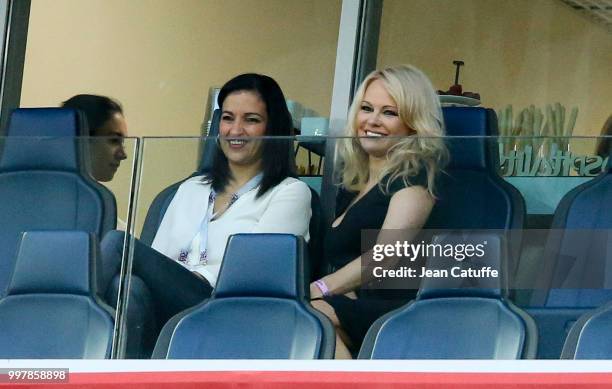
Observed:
{"x":165,"y":62}
{"x":539,"y":218}
{"x":495,"y":186}
{"x":59,"y":197}
{"x":559,"y":163}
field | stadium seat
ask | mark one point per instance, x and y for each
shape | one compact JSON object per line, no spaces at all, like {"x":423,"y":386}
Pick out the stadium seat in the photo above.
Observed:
{"x":471,"y":193}
{"x":257,"y":311}
{"x":44,"y":183}
{"x":51,"y":309}
{"x":589,"y":337}
{"x":454,"y":319}
{"x":577,"y":261}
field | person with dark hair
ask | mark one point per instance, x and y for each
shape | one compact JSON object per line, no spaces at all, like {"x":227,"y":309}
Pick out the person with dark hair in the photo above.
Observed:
{"x":604,"y":145}
{"x":105,"y":119}
{"x":251,"y":186}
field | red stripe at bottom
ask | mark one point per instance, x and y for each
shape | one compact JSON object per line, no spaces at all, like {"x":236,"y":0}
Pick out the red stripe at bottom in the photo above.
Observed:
{"x":335,"y":380}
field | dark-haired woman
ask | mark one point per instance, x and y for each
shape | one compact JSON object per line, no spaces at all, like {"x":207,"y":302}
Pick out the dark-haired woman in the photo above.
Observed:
{"x":250,"y":188}
{"x":105,"y":119}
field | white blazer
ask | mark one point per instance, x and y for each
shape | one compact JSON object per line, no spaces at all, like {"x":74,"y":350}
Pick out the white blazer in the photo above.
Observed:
{"x":283,"y":209}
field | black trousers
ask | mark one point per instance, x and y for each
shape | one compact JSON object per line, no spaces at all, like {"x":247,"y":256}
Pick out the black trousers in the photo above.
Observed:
{"x":160,"y":287}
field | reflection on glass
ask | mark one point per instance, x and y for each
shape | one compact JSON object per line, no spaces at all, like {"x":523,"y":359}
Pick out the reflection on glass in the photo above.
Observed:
{"x":46,"y":188}
{"x":549,"y":161}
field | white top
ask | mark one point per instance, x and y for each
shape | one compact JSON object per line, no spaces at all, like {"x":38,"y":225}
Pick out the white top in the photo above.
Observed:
{"x":121,"y":225}
{"x":284,"y":208}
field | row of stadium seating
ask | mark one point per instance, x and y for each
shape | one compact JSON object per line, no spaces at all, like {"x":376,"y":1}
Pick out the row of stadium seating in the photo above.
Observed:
{"x":260,"y":310}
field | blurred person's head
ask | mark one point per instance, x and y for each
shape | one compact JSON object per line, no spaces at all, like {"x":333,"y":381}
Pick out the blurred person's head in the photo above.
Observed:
{"x":105,"y":120}
{"x":253,"y":105}
{"x":395,"y":118}
{"x":604,"y":145}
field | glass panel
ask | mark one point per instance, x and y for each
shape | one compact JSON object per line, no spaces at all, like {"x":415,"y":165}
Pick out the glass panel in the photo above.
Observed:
{"x":516,"y":60}
{"x":164,"y":68}
{"x":478,"y":193}
{"x":559,"y":164}
{"x":54,"y":211}
{"x":547,"y":263}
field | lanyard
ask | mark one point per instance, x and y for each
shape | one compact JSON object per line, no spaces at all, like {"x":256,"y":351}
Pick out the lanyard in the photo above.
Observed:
{"x":209,"y":215}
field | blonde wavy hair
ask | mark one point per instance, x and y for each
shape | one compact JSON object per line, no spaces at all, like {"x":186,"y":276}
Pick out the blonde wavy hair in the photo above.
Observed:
{"x":419,"y":109}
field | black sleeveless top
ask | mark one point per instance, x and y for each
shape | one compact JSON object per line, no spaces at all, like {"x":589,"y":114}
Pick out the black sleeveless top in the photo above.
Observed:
{"x":342,"y":244}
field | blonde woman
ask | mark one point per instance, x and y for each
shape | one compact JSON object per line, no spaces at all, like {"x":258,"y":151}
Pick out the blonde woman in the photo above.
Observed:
{"x":387,"y":174}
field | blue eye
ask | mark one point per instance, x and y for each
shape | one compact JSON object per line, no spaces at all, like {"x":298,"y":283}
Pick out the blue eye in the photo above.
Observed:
{"x":390,"y":113}
{"x":366,"y":108}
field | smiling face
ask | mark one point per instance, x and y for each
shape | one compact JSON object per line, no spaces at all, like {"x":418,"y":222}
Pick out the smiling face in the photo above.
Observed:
{"x":108,"y":152}
{"x":378,"y":119}
{"x":243,"y":116}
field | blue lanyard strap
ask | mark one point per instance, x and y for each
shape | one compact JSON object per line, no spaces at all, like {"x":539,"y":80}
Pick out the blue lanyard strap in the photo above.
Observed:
{"x":210,"y":215}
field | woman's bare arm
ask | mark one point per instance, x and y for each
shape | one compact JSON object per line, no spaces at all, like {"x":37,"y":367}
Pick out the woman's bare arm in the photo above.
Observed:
{"x":408,"y":210}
